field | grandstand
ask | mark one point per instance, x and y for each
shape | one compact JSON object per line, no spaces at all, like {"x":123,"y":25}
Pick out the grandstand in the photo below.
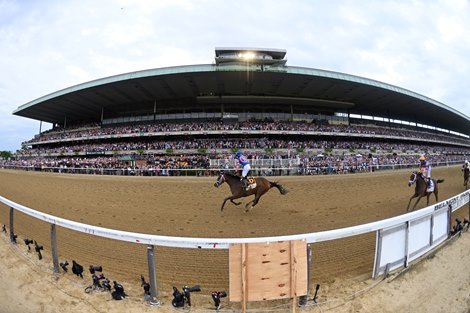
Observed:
{"x":288,"y":119}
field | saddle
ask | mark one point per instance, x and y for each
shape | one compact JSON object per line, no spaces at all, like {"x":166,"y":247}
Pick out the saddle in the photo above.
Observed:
{"x":251,"y":183}
{"x":430,"y":186}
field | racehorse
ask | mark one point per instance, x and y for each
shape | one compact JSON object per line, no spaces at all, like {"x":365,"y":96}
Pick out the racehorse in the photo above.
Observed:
{"x":421,"y":189}
{"x":262,"y":186}
{"x":466,"y":175}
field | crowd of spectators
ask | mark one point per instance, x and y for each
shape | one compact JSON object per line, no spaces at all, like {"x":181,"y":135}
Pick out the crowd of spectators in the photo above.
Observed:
{"x":169,"y":148}
{"x":151,"y":166}
{"x":352,"y":164}
{"x":95,"y":131}
{"x":160,"y":146}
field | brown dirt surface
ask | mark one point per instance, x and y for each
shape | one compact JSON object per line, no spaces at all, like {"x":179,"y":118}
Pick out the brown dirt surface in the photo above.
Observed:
{"x":190,"y":207}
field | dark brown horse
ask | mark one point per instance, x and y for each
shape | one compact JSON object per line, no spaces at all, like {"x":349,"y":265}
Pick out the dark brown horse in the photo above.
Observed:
{"x":262,"y":186}
{"x":421,"y":189}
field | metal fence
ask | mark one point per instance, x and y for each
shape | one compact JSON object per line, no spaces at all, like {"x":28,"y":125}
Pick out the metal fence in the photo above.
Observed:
{"x":259,"y":167}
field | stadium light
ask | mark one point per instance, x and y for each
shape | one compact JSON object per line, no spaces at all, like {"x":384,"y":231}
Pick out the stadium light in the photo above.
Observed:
{"x":247,"y":56}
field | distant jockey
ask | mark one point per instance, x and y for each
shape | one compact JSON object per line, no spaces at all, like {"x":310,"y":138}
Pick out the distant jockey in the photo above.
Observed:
{"x":466,"y":165}
{"x":424,"y":169}
{"x":243,"y":160}
{"x":465,"y":170}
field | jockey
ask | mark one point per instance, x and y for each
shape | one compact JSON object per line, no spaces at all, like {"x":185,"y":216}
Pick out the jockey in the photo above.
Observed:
{"x":465,"y":170}
{"x":424,"y":169}
{"x":243,"y":160}
{"x":466,"y":165}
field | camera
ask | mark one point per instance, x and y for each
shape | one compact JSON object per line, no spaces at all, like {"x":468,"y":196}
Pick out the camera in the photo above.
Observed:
{"x":95,"y":268}
{"x":96,"y":278}
{"x":118,"y":293}
{"x":106,"y":284}
{"x":64,"y":265}
{"x":77,"y":269}
{"x":466,"y":223}
{"x":458,"y":227}
{"x":180,"y":298}
{"x":145,"y":285}
{"x":216,"y":296}
{"x":38,"y":249}
{"x":28,"y":242}
{"x":97,"y":281}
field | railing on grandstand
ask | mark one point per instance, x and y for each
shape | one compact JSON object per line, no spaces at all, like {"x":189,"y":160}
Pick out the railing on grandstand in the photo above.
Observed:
{"x":262,"y":167}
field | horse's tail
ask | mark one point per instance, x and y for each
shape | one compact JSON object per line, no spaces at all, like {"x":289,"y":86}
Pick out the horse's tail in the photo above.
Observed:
{"x":281,"y":188}
{"x":439,"y":181}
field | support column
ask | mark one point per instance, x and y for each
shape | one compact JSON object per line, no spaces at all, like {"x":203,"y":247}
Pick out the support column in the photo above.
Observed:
{"x":155,"y":109}
{"x":291,"y":112}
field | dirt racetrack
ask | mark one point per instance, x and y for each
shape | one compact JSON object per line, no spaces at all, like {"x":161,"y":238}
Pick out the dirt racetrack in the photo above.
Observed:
{"x":190,"y":207}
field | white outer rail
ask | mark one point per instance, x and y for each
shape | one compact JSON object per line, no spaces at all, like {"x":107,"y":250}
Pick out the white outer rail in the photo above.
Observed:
{"x":224,"y":243}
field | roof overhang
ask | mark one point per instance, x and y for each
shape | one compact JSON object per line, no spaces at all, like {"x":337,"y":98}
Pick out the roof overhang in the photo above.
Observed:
{"x":198,"y":84}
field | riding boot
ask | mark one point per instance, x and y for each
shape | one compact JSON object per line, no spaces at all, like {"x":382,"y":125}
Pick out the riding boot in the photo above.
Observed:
{"x":244,"y":183}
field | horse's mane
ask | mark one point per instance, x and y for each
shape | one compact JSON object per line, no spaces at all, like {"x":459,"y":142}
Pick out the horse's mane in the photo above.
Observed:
{"x":231,"y":175}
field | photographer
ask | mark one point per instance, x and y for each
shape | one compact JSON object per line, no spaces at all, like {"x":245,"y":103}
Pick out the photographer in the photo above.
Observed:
{"x":118,"y":293}
{"x":77,"y":269}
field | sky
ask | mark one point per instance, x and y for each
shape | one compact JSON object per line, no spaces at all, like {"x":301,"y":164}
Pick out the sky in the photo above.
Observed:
{"x":48,"y":45}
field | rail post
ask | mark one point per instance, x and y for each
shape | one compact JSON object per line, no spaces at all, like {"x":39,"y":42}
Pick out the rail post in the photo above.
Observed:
{"x":12,"y":228}
{"x":55,"y":257}
{"x":449,"y":221}
{"x":407,"y":243}
{"x":152,"y":276}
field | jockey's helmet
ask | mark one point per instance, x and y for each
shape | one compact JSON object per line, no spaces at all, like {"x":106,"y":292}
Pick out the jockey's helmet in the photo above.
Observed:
{"x":238,"y":153}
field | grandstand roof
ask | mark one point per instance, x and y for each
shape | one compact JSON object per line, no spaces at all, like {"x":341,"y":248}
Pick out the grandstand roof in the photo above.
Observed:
{"x":199,"y":86}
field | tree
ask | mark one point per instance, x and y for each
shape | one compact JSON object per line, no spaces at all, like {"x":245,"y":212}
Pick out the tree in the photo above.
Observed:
{"x":5,"y":155}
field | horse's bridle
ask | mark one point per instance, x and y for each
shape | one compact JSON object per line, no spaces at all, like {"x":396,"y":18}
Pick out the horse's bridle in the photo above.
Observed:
{"x":220,"y":180}
{"x":412,"y":181}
